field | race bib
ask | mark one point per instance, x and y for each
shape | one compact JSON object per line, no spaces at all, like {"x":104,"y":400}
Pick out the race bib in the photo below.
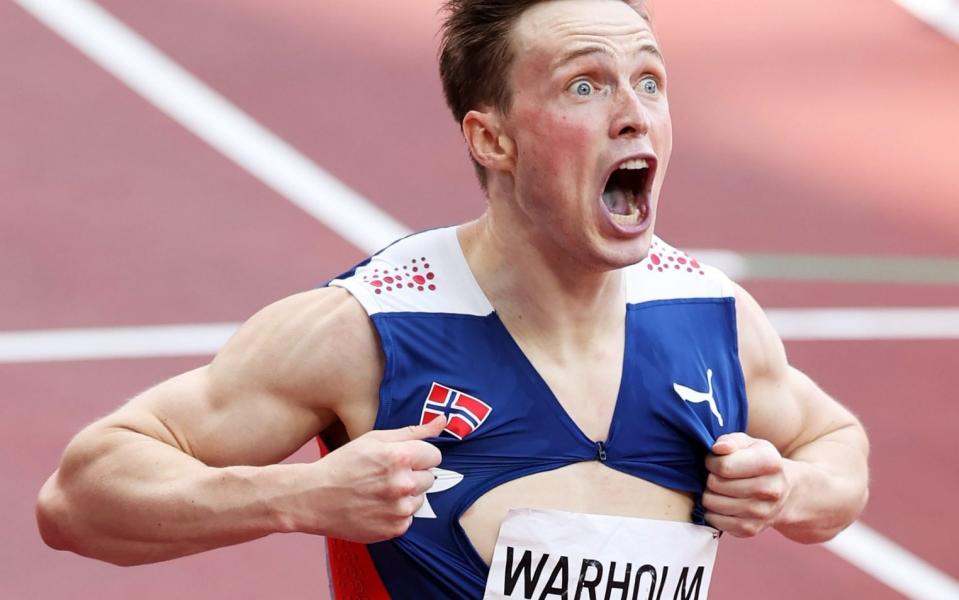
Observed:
{"x":542,"y":554}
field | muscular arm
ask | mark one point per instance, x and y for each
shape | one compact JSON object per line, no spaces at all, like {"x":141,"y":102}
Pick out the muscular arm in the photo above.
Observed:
{"x":188,"y":465}
{"x":802,"y":468}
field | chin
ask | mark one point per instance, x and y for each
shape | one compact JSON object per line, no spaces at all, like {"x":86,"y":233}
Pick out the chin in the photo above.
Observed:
{"x":621,"y":253}
{"x":620,"y":248}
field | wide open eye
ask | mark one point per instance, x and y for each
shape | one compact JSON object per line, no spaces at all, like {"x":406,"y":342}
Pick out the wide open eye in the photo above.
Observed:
{"x":649,"y":86}
{"x":582,"y":88}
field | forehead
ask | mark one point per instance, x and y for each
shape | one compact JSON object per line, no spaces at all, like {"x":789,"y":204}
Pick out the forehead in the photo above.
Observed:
{"x":548,"y":28}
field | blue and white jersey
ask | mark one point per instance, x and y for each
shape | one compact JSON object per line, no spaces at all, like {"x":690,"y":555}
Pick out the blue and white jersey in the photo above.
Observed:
{"x":447,"y":352}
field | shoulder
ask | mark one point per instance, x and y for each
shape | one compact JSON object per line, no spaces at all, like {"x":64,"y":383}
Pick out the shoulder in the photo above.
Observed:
{"x":668,"y":273}
{"x":786,"y":407}
{"x":423,"y":273}
{"x":311,"y":348}
{"x":761,"y":350}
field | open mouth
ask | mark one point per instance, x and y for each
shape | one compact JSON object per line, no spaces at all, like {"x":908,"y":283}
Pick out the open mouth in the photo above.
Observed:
{"x":627,"y":191}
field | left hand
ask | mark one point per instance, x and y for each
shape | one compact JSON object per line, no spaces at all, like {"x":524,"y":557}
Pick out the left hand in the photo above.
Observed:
{"x":747,"y":485}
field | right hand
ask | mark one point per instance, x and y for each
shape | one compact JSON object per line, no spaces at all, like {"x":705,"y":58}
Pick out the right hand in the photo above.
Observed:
{"x":374,"y":484}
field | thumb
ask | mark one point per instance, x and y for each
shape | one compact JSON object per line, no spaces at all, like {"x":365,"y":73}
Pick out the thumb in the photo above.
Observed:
{"x":731,"y":442}
{"x":414,"y":432}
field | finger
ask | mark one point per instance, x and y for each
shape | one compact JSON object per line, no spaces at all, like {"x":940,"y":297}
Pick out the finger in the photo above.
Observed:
{"x":400,"y":528}
{"x":413,"y":432}
{"x":423,"y":481}
{"x":417,"y":502}
{"x":422,"y":455}
{"x":737,"y":507}
{"x":734,"y":525}
{"x":408,"y":505}
{"x":764,"y":487}
{"x":731,"y":442}
{"x":758,"y":459}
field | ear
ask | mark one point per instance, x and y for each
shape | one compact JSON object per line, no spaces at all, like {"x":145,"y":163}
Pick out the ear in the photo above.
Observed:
{"x":490,"y":146}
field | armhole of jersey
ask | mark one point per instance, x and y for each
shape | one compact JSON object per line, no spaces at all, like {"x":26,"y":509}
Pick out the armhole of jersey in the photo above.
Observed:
{"x":349,"y":567}
{"x":371,"y":305}
{"x":726,"y":285}
{"x":729,"y":290}
{"x":358,"y":291}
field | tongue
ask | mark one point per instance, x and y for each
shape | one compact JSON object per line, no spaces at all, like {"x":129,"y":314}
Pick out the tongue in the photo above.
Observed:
{"x":617,"y":202}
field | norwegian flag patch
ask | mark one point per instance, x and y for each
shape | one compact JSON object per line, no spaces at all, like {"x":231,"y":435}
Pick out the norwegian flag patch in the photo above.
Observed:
{"x":464,"y":412}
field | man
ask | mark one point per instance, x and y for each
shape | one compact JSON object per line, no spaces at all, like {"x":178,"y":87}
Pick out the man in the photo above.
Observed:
{"x":550,"y":355}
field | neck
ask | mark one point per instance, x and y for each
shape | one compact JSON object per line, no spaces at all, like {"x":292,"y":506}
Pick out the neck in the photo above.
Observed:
{"x":538,"y":290}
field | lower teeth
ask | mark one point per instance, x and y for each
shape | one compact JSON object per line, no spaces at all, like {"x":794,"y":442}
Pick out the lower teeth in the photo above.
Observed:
{"x":633,"y":215}
{"x":626,"y":219}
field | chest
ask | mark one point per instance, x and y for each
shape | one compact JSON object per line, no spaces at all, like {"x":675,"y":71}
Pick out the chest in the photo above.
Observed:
{"x":601,"y":434}
{"x":669,"y":386}
{"x":585,"y":382}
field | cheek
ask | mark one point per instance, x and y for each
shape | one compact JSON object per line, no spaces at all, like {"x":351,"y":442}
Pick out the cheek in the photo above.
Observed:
{"x":663,"y":141}
{"x":553,"y":141}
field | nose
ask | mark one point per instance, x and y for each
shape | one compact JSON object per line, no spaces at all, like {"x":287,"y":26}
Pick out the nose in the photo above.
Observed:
{"x":631,"y":116}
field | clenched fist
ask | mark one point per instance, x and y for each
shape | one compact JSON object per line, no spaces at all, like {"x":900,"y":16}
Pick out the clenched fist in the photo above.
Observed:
{"x":747,"y":487}
{"x":367,"y":490}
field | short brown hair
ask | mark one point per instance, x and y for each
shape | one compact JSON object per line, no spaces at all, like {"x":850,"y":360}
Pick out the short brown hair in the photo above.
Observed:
{"x":476,"y":54}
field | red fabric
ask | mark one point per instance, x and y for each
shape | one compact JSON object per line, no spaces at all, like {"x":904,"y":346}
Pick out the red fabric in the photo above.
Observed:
{"x":350,"y":568}
{"x":478,"y":408}
{"x":459,"y":426}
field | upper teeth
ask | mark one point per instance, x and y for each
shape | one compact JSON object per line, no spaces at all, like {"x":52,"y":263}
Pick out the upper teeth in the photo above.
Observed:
{"x":636,"y":163}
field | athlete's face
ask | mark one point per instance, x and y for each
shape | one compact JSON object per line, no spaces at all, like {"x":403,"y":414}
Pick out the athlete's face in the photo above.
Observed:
{"x":591,"y":128}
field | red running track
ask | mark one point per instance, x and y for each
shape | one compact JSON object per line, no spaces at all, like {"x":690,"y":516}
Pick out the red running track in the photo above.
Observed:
{"x":799,"y":128}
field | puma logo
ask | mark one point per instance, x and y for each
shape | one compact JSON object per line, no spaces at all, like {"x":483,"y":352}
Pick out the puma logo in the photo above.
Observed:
{"x":691,"y":395}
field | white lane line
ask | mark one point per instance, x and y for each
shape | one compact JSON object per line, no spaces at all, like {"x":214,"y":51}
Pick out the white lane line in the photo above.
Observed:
{"x":733,"y":264}
{"x":834,"y":324}
{"x":893,"y":565}
{"x":866,"y":323}
{"x":187,"y":100}
{"x":860,"y":545}
{"x":113,"y":342}
{"x":939,"y":14}
{"x":235,"y":134}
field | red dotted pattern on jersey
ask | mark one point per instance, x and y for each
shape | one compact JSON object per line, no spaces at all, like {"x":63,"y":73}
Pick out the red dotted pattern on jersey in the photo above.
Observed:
{"x":415,"y":275}
{"x":663,"y":259}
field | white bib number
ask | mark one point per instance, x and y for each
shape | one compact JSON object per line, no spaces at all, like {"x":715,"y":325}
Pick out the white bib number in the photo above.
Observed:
{"x":544,"y":554}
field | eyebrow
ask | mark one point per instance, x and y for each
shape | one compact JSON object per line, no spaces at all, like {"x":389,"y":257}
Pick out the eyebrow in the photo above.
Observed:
{"x":596,"y":49}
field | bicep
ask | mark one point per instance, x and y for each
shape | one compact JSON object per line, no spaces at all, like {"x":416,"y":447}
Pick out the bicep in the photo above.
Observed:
{"x":786,"y":407}
{"x":273,"y":386}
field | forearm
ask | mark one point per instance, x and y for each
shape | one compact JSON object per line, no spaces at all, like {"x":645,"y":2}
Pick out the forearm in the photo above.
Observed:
{"x":828,"y":486}
{"x":129,"y":499}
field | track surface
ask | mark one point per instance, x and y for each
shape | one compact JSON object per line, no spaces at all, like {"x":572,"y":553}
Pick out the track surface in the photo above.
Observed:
{"x":800,"y":127}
